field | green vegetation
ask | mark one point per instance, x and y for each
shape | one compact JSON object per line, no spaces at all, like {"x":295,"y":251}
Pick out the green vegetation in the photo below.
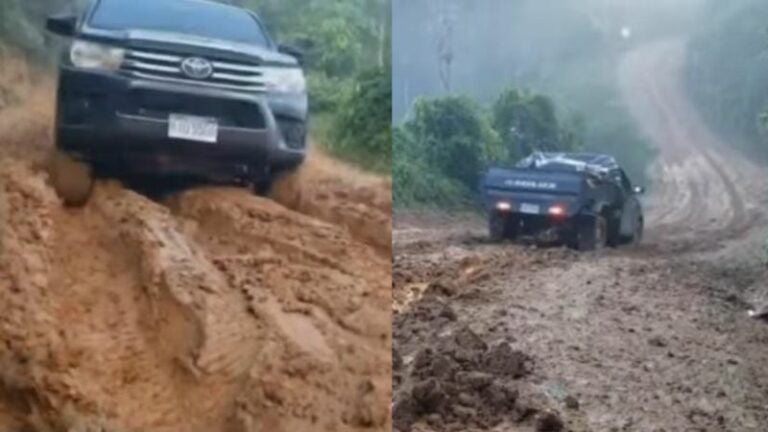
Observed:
{"x":441,"y":151}
{"x":568,"y":50}
{"x":361,"y":132}
{"x":529,"y":121}
{"x":347,"y":49}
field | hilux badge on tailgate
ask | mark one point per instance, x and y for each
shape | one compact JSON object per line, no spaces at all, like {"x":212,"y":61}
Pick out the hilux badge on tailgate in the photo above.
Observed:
{"x":531,"y":184}
{"x":197,"y":68}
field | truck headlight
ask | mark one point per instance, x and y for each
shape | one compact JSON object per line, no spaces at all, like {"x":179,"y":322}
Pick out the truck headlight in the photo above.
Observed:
{"x":285,"y":80}
{"x":90,"y":55}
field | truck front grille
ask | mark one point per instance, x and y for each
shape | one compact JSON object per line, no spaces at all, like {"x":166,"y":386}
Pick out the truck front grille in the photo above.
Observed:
{"x":167,"y":67}
{"x":233,"y":113}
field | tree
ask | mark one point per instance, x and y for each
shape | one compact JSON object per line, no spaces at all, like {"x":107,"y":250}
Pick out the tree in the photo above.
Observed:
{"x":527,"y":121}
{"x":362,"y":129}
{"x":454,"y":137}
{"x":341,"y":38}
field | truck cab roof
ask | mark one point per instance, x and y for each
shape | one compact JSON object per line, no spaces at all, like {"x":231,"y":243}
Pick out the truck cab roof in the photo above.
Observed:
{"x":570,"y":162}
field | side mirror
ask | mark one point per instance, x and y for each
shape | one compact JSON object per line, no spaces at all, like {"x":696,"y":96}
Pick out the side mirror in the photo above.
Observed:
{"x":292,"y":51}
{"x":638,"y":190}
{"x":62,"y":25}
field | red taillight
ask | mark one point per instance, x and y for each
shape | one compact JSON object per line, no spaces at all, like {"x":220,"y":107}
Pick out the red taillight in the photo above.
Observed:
{"x":503,"y":206}
{"x":558,"y":210}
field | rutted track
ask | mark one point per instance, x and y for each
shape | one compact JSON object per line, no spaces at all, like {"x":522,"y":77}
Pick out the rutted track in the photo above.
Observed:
{"x":647,"y":339}
{"x":213,"y":311}
{"x":701,"y":188}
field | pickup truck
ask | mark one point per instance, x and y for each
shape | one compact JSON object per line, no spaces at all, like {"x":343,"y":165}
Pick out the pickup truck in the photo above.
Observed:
{"x":582,"y":200}
{"x":182,"y":88}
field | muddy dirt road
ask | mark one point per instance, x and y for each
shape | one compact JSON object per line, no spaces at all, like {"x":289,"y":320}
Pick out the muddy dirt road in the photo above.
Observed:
{"x":212,"y":310}
{"x":650,"y":339}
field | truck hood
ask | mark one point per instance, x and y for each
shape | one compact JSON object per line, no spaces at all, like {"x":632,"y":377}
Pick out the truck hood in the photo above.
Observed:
{"x":187,"y":44}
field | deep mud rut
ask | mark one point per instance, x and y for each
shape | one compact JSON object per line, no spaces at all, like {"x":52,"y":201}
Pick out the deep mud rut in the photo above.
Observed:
{"x":211,"y":310}
{"x":648,"y":339}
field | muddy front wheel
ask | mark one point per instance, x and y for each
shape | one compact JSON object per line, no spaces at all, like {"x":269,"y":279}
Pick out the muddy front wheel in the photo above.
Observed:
{"x":72,"y":179}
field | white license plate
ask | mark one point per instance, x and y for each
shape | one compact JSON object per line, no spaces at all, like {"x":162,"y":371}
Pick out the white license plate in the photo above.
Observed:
{"x":193,"y":128}
{"x":530,"y":209}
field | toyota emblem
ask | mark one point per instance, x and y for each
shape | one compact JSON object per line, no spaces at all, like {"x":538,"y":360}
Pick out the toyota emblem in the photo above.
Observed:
{"x":197,"y":68}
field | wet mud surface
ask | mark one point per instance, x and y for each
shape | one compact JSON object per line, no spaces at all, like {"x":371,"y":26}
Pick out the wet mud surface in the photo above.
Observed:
{"x":653,"y":338}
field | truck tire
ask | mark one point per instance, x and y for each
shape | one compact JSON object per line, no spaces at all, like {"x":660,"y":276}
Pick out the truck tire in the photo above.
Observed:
{"x":72,"y":179}
{"x":637,"y":236}
{"x":263,"y":186}
{"x":592,"y":234}
{"x":497,"y":227}
{"x":614,"y":237}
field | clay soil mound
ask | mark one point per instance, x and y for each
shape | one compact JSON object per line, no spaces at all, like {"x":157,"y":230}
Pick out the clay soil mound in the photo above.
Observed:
{"x":213,"y":310}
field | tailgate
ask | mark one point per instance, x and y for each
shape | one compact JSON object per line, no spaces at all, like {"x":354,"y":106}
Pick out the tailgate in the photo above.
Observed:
{"x":531,"y":191}
{"x":537,"y":181}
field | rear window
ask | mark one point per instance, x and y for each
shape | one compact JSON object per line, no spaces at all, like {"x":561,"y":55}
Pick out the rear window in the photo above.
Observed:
{"x":194,"y":17}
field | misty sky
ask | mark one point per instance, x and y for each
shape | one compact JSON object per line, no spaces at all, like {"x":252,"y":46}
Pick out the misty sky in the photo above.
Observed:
{"x":497,"y":43}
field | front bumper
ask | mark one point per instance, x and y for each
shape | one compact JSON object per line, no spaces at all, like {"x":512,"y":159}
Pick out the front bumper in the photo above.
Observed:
{"x":118,"y":122}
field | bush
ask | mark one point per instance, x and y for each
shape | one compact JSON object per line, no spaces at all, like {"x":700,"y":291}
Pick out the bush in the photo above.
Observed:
{"x":442,"y":150}
{"x":525,"y":121}
{"x":528,"y":121}
{"x":415,"y":183}
{"x":362,"y":128}
{"x":328,"y":93}
{"x":454,"y":137}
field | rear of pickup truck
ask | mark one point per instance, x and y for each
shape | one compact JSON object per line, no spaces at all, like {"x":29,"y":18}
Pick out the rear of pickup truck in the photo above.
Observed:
{"x":548,"y":206}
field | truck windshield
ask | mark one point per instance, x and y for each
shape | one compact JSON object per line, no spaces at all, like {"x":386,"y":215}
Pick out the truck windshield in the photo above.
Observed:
{"x":194,"y":17}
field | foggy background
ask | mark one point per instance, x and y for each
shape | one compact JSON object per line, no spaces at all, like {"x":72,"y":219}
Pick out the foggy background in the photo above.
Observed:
{"x":566,"y":51}
{"x":553,"y":46}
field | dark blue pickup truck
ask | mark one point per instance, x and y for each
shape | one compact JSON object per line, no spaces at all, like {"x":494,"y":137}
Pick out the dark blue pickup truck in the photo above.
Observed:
{"x":583,"y":200}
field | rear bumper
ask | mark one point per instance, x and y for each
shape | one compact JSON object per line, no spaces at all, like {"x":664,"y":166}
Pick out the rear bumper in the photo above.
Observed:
{"x":118,"y":122}
{"x":542,"y":228}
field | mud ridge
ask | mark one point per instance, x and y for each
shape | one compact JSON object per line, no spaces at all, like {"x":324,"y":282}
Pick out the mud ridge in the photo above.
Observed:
{"x":214,"y":310}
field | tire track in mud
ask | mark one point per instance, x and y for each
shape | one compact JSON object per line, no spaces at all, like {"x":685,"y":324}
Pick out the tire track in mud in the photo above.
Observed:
{"x":695,"y":178}
{"x":364,"y":208}
{"x":213,"y":311}
{"x":654,"y":338}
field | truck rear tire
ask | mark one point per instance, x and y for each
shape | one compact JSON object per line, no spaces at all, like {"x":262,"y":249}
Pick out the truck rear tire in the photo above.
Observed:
{"x":637,"y":236}
{"x":72,"y":179}
{"x":592,"y":234}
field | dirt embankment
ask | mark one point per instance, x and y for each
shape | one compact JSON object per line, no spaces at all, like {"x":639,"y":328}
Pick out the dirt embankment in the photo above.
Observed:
{"x":648,"y":339}
{"x":214,"y":310}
